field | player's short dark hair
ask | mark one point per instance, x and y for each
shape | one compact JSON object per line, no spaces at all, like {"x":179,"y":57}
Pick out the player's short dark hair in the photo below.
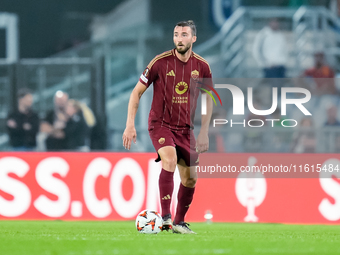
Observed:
{"x":188,"y":23}
{"x":23,"y":92}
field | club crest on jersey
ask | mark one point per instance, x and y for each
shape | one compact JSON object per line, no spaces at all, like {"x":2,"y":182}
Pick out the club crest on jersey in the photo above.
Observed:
{"x":181,"y":87}
{"x":194,"y":74}
{"x":161,"y":140}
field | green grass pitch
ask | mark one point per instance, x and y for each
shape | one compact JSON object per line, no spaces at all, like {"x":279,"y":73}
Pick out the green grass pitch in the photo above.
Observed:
{"x":106,"y":237}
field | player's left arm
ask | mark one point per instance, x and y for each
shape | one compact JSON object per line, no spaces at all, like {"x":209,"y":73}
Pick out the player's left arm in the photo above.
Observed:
{"x":202,"y":142}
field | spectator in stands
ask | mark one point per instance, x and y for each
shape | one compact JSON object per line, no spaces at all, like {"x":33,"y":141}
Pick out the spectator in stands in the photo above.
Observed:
{"x":304,"y":140}
{"x":323,"y":76}
{"x":77,"y":129}
{"x":23,"y":123}
{"x":332,"y":121}
{"x":270,"y":50}
{"x":55,"y":122}
{"x":97,"y":129}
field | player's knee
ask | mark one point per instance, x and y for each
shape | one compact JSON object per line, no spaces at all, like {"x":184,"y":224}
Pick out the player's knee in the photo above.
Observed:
{"x":190,"y":182}
{"x":169,"y":163}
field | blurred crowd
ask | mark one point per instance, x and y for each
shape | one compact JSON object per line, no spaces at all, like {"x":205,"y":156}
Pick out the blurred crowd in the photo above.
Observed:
{"x":314,"y":133}
{"x":69,"y":126}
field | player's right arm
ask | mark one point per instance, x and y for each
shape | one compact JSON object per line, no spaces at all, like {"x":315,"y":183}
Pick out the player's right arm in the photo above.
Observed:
{"x":148,"y":76}
{"x":130,"y":131}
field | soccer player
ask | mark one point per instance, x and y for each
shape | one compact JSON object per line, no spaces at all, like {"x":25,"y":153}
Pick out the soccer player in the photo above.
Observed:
{"x":176,"y":76}
{"x":23,"y":123}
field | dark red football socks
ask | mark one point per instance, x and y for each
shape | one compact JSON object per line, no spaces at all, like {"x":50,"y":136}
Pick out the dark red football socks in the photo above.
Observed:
{"x":166,"y":187}
{"x":185,"y":196}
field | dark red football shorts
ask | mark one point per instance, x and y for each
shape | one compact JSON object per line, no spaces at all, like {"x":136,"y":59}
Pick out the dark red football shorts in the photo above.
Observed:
{"x":184,"y":143}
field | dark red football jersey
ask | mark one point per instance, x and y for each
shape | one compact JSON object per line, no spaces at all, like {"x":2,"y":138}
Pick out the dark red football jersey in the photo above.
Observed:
{"x":176,"y":89}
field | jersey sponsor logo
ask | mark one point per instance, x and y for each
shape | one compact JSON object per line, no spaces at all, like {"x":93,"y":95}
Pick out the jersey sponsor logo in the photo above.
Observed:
{"x":161,"y":140}
{"x":194,"y":74}
{"x":171,"y":73}
{"x":180,"y":100}
{"x":181,"y":87}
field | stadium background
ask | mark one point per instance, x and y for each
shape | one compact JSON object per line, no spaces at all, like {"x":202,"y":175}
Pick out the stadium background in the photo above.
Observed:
{"x":96,"y":52}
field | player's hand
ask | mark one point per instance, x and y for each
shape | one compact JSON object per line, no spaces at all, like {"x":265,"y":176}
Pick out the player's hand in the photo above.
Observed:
{"x":202,"y":143}
{"x":129,"y":135}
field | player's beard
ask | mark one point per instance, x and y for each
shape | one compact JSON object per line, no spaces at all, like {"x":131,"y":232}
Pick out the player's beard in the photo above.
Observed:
{"x":184,"y":50}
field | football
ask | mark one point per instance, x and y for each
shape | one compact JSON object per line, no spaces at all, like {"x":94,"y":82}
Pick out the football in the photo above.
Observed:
{"x":149,"y":222}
